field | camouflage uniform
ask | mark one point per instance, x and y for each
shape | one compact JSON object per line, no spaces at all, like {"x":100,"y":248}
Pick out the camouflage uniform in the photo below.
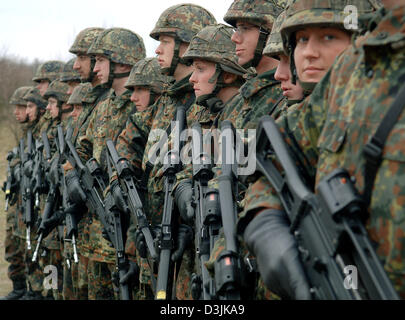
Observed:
{"x":334,"y":123}
{"x":14,"y":247}
{"x":181,"y":22}
{"x":106,"y":122}
{"x":94,"y":97}
{"x":33,"y":271}
{"x":52,"y":243}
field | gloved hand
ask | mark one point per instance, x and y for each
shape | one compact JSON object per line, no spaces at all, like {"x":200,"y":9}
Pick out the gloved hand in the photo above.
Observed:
{"x":75,"y":191}
{"x":140,"y":242}
{"x":184,"y":239}
{"x":53,"y":174}
{"x":116,"y":192}
{"x":269,"y":238}
{"x":131,"y":278}
{"x":183,"y":197}
{"x":52,"y":222}
{"x":28,"y":166}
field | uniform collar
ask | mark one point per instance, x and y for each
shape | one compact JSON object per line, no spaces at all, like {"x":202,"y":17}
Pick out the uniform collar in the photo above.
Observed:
{"x":252,"y":86}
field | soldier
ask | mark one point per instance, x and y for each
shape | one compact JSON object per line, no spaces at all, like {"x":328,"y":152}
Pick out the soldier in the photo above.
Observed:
{"x":174,"y":30}
{"x":14,"y":246}
{"x":84,"y":65}
{"x":36,"y":105}
{"x":318,"y":123}
{"x":116,"y":51}
{"x":70,"y":76}
{"x":78,"y":97}
{"x":216,"y":79}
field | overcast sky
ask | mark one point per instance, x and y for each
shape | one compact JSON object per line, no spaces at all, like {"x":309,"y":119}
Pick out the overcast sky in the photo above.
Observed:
{"x":45,"y":29}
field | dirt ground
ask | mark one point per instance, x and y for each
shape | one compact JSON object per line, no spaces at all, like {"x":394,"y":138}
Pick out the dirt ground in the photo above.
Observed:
{"x":7,"y":142}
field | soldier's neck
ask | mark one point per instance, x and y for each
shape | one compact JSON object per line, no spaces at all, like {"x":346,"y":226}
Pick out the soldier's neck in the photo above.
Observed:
{"x":119,"y":85}
{"x":182,"y":71}
{"x":266,"y":64}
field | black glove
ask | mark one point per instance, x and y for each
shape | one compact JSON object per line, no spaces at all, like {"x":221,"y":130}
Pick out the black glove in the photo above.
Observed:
{"x":132,"y":276}
{"x":75,"y":191}
{"x":52,"y":222}
{"x":184,"y":239}
{"x":140,"y":242}
{"x":269,"y":238}
{"x":53,"y":174}
{"x":28,"y":166}
{"x":119,"y":200}
{"x":183,"y":197}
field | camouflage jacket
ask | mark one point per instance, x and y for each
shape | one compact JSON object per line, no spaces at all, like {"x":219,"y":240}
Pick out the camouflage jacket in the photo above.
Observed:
{"x":106,"y":122}
{"x":333,"y":124}
{"x":164,"y":111}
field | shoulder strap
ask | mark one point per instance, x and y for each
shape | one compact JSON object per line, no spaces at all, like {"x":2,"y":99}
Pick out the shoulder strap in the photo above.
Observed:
{"x":373,"y":150}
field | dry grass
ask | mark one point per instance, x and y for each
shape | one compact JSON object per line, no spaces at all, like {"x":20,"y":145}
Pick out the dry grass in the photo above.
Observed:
{"x":7,"y":142}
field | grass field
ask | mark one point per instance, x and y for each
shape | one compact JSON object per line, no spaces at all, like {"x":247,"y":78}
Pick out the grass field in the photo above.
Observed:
{"x":7,"y":142}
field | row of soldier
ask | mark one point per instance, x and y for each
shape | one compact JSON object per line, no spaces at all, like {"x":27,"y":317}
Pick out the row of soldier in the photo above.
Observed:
{"x":192,"y":231}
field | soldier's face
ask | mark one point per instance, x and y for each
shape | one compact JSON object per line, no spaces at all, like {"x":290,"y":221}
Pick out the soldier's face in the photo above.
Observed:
{"x":82,"y":65}
{"x":202,"y":72}
{"x":42,"y":86}
{"x":102,"y":68}
{"x":283,"y":74}
{"x":165,"y":50}
{"x":20,"y":112}
{"x":31,"y":111}
{"x":52,"y":107}
{"x":316,"y":49}
{"x":77,"y":109}
{"x":141,"y":97}
{"x":245,"y":37}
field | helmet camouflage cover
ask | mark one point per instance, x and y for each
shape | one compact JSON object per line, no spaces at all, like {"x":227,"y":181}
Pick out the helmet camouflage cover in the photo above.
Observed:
{"x":258,"y":12}
{"x":68,"y":73}
{"x":213,"y":43}
{"x":57,"y":89}
{"x":274,"y":44}
{"x":34,"y":96}
{"x":147,"y":73}
{"x":19,"y":93}
{"x":80,"y":94}
{"x":183,"y":21}
{"x":49,"y":70}
{"x":119,"y":45}
{"x":84,"y":40}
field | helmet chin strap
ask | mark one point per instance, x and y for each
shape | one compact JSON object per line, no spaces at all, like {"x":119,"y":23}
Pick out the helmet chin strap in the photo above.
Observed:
{"x":92,"y":74}
{"x":261,"y":43}
{"x":176,"y":59}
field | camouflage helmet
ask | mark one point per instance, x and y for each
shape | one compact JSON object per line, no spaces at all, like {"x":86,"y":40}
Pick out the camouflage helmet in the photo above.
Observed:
{"x":84,"y":40}
{"x":274,"y":44}
{"x":213,"y":43}
{"x":119,"y":45}
{"x":18,"y":95}
{"x":182,"y":21}
{"x":261,"y":13}
{"x":80,"y":94}
{"x":58,"y":90}
{"x":34,"y":96}
{"x":147,"y":73}
{"x":49,"y":70}
{"x":307,"y":13}
{"x":68,"y":73}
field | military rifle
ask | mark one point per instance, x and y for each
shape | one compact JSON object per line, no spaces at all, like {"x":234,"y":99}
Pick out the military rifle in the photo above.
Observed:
{"x":328,"y":225}
{"x":171,"y":165}
{"x":9,"y":181}
{"x":52,"y":196}
{"x":207,"y":219}
{"x":228,"y":267}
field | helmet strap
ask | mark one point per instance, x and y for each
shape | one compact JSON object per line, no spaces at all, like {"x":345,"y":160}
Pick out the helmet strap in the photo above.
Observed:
{"x":261,"y":43}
